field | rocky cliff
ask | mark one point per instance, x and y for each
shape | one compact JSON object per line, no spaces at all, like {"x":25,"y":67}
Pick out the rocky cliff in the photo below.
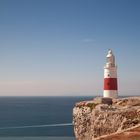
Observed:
{"x":105,"y":118}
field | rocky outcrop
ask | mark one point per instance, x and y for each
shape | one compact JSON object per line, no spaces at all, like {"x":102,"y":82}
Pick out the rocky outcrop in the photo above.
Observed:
{"x":104,"y":116}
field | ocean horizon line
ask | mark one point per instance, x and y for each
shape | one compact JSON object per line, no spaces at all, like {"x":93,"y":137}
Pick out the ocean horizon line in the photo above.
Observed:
{"x":63,"y":96}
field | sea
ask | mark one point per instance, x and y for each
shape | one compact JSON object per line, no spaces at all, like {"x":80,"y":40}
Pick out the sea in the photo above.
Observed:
{"x":37,"y":118}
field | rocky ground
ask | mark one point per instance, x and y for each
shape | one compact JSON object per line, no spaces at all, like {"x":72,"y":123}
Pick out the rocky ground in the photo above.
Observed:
{"x":133,"y":134}
{"x":104,"y":116}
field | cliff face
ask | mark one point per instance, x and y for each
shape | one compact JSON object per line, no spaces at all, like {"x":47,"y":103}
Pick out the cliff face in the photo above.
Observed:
{"x":104,"y":116}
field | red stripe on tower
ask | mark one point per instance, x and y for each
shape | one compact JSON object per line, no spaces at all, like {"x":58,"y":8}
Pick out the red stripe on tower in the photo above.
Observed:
{"x":110,"y":84}
{"x":110,"y":77}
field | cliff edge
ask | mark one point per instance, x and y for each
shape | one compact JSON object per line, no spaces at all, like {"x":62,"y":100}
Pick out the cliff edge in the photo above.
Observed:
{"x":107,"y":119}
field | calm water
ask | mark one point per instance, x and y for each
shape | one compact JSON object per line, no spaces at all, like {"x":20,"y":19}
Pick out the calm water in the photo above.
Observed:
{"x":29,"y":117}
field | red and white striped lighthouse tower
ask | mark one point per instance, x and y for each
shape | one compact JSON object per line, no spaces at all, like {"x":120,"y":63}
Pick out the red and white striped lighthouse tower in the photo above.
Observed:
{"x":110,"y":77}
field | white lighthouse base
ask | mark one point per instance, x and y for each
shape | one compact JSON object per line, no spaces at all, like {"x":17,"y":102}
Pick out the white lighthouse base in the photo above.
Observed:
{"x":111,"y":93}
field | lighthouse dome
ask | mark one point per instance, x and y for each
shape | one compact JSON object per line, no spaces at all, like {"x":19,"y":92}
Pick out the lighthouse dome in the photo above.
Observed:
{"x":110,"y":53}
{"x":110,"y":59}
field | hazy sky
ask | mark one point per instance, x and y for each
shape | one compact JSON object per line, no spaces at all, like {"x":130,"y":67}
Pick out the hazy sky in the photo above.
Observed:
{"x":58,"y":47}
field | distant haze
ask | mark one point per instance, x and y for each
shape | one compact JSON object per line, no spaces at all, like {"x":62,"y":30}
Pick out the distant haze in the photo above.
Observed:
{"x":58,"y":47}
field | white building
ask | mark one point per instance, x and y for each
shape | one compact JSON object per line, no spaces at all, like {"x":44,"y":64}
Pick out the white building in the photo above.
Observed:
{"x":110,"y":77}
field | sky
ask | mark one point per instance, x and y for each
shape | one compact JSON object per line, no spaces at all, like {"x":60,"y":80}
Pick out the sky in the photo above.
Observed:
{"x":59,"y":47}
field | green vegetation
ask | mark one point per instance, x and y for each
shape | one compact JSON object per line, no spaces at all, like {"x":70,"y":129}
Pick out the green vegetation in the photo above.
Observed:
{"x":91,"y":105}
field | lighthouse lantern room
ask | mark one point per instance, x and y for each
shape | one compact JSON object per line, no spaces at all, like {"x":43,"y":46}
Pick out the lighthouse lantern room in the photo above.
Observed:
{"x":110,"y":77}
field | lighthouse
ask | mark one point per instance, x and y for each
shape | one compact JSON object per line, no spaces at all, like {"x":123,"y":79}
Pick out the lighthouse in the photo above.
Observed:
{"x":110,"y":76}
